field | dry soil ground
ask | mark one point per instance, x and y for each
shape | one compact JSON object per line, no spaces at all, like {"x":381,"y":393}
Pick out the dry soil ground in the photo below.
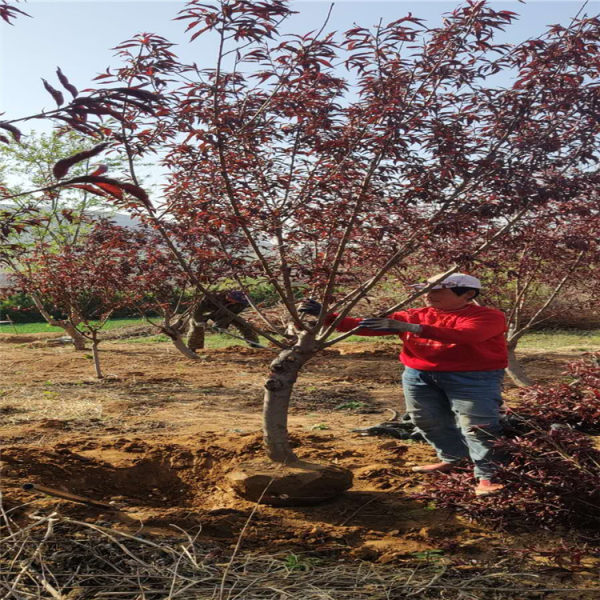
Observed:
{"x":159,"y":433}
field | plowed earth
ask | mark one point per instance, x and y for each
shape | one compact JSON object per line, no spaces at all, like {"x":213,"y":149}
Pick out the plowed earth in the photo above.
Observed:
{"x":157,"y":436}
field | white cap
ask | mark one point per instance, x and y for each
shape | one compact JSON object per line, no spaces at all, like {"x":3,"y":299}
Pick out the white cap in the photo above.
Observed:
{"x":452,"y":281}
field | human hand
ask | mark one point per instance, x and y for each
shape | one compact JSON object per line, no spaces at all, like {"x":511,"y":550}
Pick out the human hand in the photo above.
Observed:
{"x":390,"y":325}
{"x":310,"y":307}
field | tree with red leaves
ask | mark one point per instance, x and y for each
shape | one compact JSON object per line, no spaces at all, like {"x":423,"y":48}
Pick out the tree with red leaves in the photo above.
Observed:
{"x":89,"y":280}
{"x":546,"y":263}
{"x":62,"y":216}
{"x":337,"y":157}
{"x":87,"y":115}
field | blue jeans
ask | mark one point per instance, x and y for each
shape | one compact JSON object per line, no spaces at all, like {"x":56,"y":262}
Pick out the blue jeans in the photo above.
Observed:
{"x":458,"y":413}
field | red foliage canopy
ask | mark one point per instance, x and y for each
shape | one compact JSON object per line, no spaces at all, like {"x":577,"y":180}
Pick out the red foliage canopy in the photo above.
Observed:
{"x":335,"y":177}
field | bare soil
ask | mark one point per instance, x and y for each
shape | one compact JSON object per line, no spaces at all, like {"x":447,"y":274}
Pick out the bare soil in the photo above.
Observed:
{"x":158,"y":435}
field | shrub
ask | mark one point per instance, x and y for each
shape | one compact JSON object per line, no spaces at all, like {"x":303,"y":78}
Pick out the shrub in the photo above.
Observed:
{"x":551,"y":470}
{"x":552,"y":480}
{"x":576,"y":404}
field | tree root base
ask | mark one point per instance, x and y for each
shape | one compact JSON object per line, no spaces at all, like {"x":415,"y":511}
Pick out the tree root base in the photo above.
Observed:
{"x":294,"y":484}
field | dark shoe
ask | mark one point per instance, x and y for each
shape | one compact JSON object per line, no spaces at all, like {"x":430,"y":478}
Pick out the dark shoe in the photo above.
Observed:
{"x":485,"y":487}
{"x":441,"y":467}
{"x":416,"y":436}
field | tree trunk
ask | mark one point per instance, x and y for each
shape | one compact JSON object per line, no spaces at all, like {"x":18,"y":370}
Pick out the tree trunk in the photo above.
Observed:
{"x":181,"y":346}
{"x":278,"y":390}
{"x":175,"y":333}
{"x":96,"y":355}
{"x":70,"y":329}
{"x":515,"y":370}
{"x":78,"y":339}
{"x":196,"y":332}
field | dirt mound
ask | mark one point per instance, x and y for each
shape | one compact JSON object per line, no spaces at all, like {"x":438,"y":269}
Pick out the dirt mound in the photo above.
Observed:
{"x":147,"y":474}
{"x":183,"y":483}
{"x":147,"y":481}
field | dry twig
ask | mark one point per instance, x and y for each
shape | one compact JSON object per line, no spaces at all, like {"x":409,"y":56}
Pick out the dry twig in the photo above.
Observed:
{"x":64,"y":559}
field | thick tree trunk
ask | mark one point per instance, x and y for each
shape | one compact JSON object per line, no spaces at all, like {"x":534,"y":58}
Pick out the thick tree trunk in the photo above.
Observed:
{"x":515,"y":370}
{"x":78,"y":339}
{"x":278,"y":390}
{"x":96,"y":355}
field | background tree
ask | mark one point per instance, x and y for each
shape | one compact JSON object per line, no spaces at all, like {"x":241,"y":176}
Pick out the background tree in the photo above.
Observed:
{"x":89,"y":280}
{"x":549,"y":262}
{"x":86,"y":114}
{"x":64,"y":215}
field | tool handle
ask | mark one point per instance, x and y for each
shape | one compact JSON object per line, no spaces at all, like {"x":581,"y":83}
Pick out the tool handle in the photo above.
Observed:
{"x":65,"y":495}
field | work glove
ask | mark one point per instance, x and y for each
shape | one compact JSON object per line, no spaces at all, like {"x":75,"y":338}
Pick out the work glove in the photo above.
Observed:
{"x":389,"y":325}
{"x":310,"y":307}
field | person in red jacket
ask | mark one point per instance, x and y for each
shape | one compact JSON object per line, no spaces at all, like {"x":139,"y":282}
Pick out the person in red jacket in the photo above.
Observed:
{"x":454,"y":353}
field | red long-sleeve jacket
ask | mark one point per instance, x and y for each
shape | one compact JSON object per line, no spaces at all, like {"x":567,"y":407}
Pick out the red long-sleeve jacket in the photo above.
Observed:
{"x":469,"y":339}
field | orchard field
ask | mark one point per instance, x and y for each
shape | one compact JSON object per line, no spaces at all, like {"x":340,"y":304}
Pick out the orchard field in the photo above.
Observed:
{"x":158,"y":435}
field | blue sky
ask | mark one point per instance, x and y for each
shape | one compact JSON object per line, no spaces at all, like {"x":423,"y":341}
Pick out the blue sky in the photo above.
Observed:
{"x":78,"y":35}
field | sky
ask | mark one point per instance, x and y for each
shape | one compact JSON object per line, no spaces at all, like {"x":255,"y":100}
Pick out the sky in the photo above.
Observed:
{"x":78,"y":35}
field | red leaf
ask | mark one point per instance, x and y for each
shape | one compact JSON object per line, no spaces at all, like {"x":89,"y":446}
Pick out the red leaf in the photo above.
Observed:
{"x":138,"y":192}
{"x":88,"y":188}
{"x":13,"y":130}
{"x":100,"y":170}
{"x":10,"y":12}
{"x":58,"y":97}
{"x":113,"y":190}
{"x":66,"y":83}
{"x":109,"y":185}
{"x":103,"y":76}
{"x":138,"y":93}
{"x":61,"y":168}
